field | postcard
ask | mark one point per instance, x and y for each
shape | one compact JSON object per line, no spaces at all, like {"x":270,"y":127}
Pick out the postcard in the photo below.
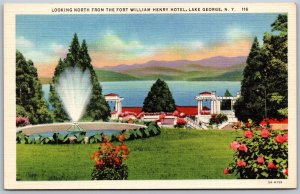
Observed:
{"x":150,"y":96}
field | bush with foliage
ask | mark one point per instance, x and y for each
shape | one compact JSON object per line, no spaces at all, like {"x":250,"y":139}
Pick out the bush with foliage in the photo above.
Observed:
{"x":181,"y":122}
{"x":260,"y":153}
{"x":217,"y":119}
{"x":22,"y":121}
{"x":109,"y":160}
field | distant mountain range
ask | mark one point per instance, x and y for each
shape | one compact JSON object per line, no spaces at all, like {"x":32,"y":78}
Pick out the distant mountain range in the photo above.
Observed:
{"x":214,"y":68}
{"x":217,"y":68}
{"x":218,"y":61}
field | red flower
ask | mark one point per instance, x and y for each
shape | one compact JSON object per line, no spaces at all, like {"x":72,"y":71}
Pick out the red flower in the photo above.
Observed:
{"x":285,"y":136}
{"x":99,"y":162}
{"x":265,"y":133}
{"x":117,"y":161}
{"x":124,"y":147}
{"x":271,"y":165}
{"x":260,"y":160}
{"x":280,"y":139}
{"x":175,"y":113}
{"x":241,"y":163}
{"x":108,"y":144}
{"x":243,"y":148}
{"x":234,"y":145}
{"x":286,"y":172}
{"x":226,"y":171}
{"x":181,"y":121}
{"x":248,"y":134}
{"x":122,"y":137}
{"x":117,"y":148}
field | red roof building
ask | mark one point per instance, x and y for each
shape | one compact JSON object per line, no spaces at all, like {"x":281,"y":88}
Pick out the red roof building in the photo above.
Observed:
{"x":205,"y":93}
{"x":111,"y":94}
{"x":136,"y":110}
{"x":188,"y":110}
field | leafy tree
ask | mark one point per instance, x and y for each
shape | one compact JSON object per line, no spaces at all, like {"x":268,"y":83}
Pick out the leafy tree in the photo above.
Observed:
{"x":264,"y":86}
{"x":275,"y":74}
{"x":159,"y":98}
{"x":226,"y":104}
{"x":29,"y":95}
{"x":78,"y":56}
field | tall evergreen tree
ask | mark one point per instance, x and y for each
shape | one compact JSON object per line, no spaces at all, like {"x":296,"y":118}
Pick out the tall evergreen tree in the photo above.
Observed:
{"x":78,"y":55}
{"x":250,"y":105}
{"x":264,"y":87}
{"x":159,"y":98}
{"x":98,"y":108}
{"x":29,"y":95}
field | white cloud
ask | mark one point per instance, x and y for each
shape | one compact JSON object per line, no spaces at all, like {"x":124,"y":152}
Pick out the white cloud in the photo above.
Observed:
{"x":116,"y":47}
{"x":59,"y":50}
{"x":22,"y":42}
{"x":113,"y":45}
{"x":37,"y":56}
{"x":236,"y":33}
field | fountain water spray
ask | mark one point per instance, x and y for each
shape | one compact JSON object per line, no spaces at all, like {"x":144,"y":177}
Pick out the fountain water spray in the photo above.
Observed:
{"x":74,"y":88}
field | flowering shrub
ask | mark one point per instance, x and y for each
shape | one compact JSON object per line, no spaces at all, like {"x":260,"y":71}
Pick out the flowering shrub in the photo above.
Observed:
{"x":22,"y":121}
{"x":217,"y":119}
{"x":109,"y":160}
{"x":260,"y":154}
{"x":181,"y":122}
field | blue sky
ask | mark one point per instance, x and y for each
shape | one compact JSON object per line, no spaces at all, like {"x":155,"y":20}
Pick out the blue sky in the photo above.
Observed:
{"x":128,"y":39}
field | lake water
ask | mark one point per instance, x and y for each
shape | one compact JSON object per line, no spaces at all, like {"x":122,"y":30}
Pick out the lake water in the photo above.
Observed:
{"x":184,"y":92}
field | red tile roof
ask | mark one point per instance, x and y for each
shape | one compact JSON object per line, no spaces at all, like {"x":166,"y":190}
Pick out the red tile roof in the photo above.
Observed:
{"x":205,"y":92}
{"x":111,"y":94}
{"x":136,"y":110}
{"x":188,"y":110}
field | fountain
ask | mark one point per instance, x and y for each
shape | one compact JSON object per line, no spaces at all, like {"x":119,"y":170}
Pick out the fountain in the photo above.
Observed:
{"x":74,"y":89}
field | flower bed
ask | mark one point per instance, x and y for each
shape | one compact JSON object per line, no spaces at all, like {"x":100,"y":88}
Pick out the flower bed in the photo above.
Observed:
{"x":261,"y":153}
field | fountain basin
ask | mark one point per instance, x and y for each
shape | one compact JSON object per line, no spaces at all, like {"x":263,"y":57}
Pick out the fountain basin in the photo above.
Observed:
{"x":87,"y":126}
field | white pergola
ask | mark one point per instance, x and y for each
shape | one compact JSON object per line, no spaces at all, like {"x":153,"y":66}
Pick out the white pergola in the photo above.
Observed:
{"x":116,"y":99}
{"x":215,"y":102}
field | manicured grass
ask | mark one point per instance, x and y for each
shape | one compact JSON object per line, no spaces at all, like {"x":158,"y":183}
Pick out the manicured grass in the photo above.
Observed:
{"x":174,"y":154}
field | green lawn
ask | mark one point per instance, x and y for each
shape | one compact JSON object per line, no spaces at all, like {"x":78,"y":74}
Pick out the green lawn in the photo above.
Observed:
{"x":174,"y":154}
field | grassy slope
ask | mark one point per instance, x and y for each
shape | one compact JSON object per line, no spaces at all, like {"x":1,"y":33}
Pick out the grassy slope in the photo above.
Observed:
{"x":175,"y":154}
{"x":106,"y":75}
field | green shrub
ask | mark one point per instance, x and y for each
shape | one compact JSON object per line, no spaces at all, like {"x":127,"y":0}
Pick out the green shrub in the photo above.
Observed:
{"x":217,"y":119}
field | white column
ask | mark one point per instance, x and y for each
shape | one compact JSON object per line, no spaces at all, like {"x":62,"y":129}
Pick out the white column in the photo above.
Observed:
{"x":215,"y":106}
{"x":116,"y":105}
{"x":211,"y":107}
{"x":199,"y":107}
{"x":219,"y":107}
{"x":120,"y":107}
